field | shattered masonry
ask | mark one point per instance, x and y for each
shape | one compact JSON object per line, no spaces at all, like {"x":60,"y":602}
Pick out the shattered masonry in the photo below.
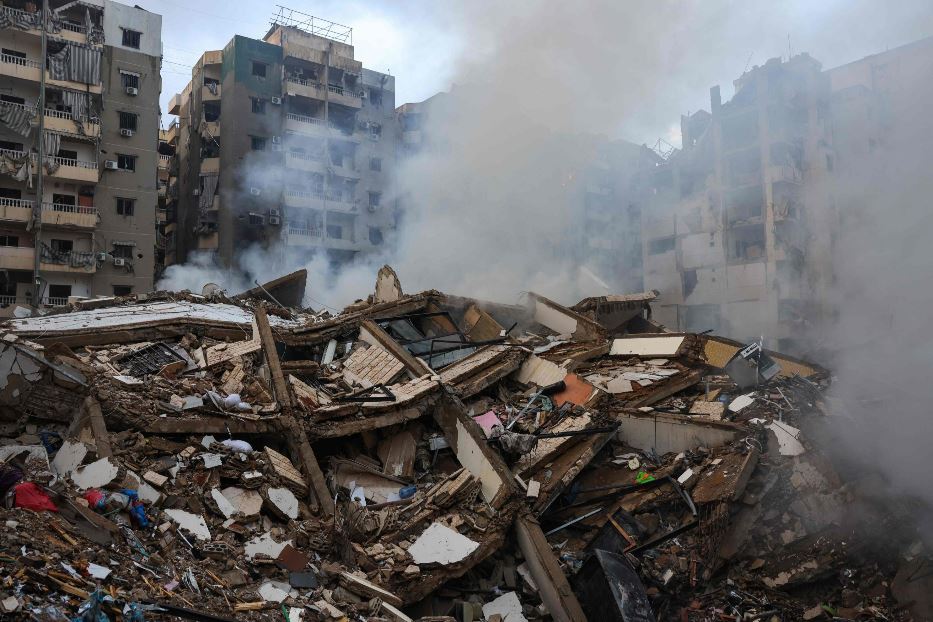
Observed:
{"x":418,"y":456}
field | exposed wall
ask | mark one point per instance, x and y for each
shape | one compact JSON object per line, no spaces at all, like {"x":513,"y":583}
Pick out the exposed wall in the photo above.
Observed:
{"x":118,"y":16}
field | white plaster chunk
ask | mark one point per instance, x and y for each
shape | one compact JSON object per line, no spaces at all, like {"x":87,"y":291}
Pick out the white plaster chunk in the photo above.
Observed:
{"x":146,"y":492}
{"x":619,"y":385}
{"x":212,"y":461}
{"x":741,"y":402}
{"x":787,"y":436}
{"x":439,"y":544}
{"x":264,"y":545}
{"x":68,"y":458}
{"x":274,"y":591}
{"x":6,"y":365}
{"x":226,"y":508}
{"x":646,"y":346}
{"x":247,"y":502}
{"x":508,"y":606}
{"x":95,"y":475}
{"x":192,"y":523}
{"x":284,"y":499}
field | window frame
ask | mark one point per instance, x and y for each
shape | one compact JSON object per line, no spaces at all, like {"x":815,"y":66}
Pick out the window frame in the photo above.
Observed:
{"x":133,"y":36}
{"x":265,"y":69}
{"x":121,"y":206}
{"x":122,"y":116}
{"x":130,"y":159}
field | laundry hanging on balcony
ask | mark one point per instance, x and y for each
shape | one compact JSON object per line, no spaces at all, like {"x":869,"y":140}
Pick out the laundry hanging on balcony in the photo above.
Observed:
{"x":51,"y":142}
{"x":19,"y":167}
{"x":21,"y":20}
{"x":79,"y":103}
{"x":17,"y":117}
{"x":95,"y":35}
{"x":208,"y":190}
{"x":77,"y":63}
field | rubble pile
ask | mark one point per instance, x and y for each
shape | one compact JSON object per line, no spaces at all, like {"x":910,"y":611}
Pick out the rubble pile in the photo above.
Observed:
{"x":427,"y":456}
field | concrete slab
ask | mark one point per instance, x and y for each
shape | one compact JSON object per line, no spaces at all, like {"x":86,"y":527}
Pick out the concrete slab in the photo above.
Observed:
{"x":439,"y":544}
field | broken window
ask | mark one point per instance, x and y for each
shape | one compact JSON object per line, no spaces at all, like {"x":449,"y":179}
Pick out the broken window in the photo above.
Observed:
{"x":256,"y":219}
{"x":661,"y":245}
{"x":747,"y":243}
{"x":259,"y":69}
{"x":122,"y":290}
{"x":126,"y":162}
{"x":150,"y":359}
{"x":375,"y":97}
{"x":125,"y":207}
{"x":131,"y":38}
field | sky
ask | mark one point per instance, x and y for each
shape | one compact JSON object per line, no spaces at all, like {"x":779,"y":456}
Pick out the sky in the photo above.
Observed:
{"x":689,"y":46}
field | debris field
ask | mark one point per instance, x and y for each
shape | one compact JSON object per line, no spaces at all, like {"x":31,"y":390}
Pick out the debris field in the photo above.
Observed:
{"x":422,"y":456}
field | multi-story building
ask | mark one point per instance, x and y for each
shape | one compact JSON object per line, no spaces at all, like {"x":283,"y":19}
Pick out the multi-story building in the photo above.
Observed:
{"x":742,"y":224}
{"x":283,"y":143}
{"x":92,"y":227}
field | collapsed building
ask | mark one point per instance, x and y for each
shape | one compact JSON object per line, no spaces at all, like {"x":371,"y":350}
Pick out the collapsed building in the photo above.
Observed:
{"x":422,"y":456}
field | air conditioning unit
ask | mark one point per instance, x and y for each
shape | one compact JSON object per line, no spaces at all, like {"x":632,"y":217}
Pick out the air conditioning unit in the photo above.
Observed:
{"x":274,"y":212}
{"x":275,"y":220}
{"x":132,"y":91}
{"x":125,"y":132}
{"x":255,"y":191}
{"x":276,"y":140}
{"x":277,"y":101}
{"x":111,"y":165}
{"x":119,"y":261}
{"x":277,"y":147}
{"x":362,"y":94}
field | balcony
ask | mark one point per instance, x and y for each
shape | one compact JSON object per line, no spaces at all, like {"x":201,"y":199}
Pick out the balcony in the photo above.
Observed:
{"x":317,"y":200}
{"x":69,"y":31}
{"x":82,"y":262}
{"x":55,"y":301}
{"x":164,"y":161}
{"x":174,"y":104}
{"x":316,"y":90}
{"x":311,"y":162}
{"x":208,"y":95}
{"x":300,"y":236}
{"x":302,"y":124}
{"x":210,"y":129}
{"x":75,"y":170}
{"x":22,"y":68}
{"x":6,"y":301}
{"x":210,"y":166}
{"x":17,"y":258}
{"x":16,"y":210}
{"x":64,"y":215}
{"x":58,"y":121}
{"x":171,"y":134}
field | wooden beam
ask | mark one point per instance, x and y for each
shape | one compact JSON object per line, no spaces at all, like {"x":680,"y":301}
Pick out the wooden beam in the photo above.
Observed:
{"x":211,"y":425}
{"x":413,"y":365}
{"x":295,"y":434}
{"x":337,"y":429}
{"x":98,"y":428}
{"x":668,"y":389}
{"x":553,"y":587}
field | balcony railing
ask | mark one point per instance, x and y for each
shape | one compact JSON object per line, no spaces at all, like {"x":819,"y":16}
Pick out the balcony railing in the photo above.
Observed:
{"x":337,"y":90}
{"x":305,"y":232}
{"x":22,"y":62}
{"x":8,"y":300}
{"x":13,"y":153}
{"x":17,"y":203}
{"x":55,"y":301}
{"x":72,"y":162}
{"x":51,"y":112}
{"x":306,"y":119}
{"x":311,"y":157}
{"x":69,"y":209}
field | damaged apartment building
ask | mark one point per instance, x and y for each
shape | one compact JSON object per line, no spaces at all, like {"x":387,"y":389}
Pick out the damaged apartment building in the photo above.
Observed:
{"x":741,"y":227}
{"x":81,"y":224}
{"x":280,"y":142}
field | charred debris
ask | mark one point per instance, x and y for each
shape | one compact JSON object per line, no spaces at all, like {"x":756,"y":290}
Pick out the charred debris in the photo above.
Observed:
{"x":419,"y":456}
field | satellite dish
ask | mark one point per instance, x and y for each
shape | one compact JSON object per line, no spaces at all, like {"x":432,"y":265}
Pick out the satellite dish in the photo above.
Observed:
{"x":210,"y":289}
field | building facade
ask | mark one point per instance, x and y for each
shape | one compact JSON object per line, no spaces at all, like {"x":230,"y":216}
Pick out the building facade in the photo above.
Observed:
{"x":93,"y":225}
{"x":284,"y":144}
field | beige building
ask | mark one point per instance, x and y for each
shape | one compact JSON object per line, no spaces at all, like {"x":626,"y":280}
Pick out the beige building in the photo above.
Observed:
{"x":98,"y":200}
{"x":286,"y":144}
{"x":740,"y":229}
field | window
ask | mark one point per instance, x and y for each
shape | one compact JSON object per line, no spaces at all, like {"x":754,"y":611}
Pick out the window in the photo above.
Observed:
{"x":129,"y":79}
{"x":375,"y":164}
{"x":375,"y":236}
{"x":375,"y":131}
{"x":375,"y":97}
{"x":64,"y":199}
{"x":10,"y":193}
{"x":12,"y":99}
{"x":61,"y":246}
{"x":122,"y":251}
{"x":259,"y":69}
{"x":259,"y":105}
{"x":5,"y":144}
{"x":374,"y":198}
{"x":125,"y":207}
{"x":128,"y":121}
{"x":256,"y":219}
{"x":122,"y":290}
{"x":68,"y":154}
{"x":131,"y":38}
{"x":257,"y":143}
{"x":126,"y":162}
{"x":9,"y":240}
{"x":661,"y":245}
